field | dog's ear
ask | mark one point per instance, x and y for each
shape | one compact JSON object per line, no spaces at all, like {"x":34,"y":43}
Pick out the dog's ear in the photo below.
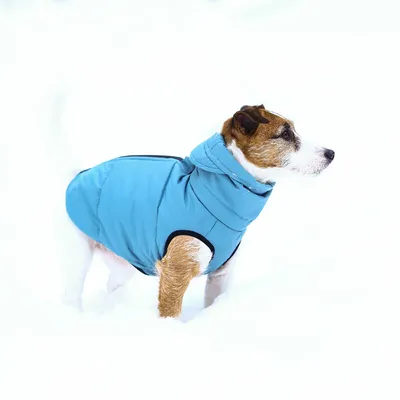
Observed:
{"x":261,"y":106}
{"x":245,"y":123}
{"x":248,"y":119}
{"x":254,"y":112}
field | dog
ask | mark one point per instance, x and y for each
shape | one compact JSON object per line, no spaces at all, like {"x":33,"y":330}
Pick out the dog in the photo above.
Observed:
{"x":180,"y":218}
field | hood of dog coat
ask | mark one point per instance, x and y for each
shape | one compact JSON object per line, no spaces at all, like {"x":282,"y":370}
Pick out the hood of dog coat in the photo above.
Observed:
{"x":225,"y":188}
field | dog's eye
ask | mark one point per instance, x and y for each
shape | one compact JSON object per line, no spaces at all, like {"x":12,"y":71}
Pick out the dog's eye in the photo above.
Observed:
{"x":287,"y":135}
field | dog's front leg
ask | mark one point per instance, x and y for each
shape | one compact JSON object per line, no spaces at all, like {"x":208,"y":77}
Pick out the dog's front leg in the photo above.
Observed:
{"x":186,"y":258}
{"x":218,"y":281}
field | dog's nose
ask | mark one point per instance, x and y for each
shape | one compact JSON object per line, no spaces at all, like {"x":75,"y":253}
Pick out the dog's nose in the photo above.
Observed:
{"x":329,"y":154}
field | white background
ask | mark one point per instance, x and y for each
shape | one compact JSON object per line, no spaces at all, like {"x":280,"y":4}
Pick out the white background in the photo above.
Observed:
{"x":314,"y":308}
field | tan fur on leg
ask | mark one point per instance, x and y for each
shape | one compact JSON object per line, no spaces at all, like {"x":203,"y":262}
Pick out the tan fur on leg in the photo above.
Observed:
{"x":179,"y":266}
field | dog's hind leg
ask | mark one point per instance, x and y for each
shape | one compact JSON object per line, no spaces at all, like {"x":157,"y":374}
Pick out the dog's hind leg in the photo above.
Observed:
{"x":77,"y":260}
{"x":218,"y":281}
{"x":186,"y":258}
{"x":120,"y":270}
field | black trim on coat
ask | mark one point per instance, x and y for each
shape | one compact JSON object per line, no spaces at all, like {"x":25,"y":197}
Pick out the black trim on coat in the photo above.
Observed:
{"x":234,"y":251}
{"x":189,"y":233}
{"x":144,"y":155}
{"x":139,"y":269}
{"x":153,"y":156}
{"x":200,"y":237}
{"x":197,"y":236}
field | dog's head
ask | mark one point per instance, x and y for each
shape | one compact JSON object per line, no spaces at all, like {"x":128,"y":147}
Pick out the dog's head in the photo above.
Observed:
{"x":267,"y":144}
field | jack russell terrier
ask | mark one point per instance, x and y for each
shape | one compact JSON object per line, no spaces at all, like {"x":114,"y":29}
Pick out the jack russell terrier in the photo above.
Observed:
{"x":180,"y":218}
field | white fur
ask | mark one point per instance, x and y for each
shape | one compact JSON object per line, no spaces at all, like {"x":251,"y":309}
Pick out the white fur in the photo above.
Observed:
{"x":219,"y":281}
{"x":76,"y":259}
{"x":203,"y":255}
{"x":308,"y":160}
{"x":120,"y":270}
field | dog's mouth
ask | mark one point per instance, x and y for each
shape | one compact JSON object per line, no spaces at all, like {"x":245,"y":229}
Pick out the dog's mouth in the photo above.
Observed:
{"x":314,"y":172}
{"x":314,"y":169}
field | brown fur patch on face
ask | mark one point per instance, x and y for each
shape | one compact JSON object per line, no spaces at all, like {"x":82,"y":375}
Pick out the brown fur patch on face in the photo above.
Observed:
{"x":262,"y":147}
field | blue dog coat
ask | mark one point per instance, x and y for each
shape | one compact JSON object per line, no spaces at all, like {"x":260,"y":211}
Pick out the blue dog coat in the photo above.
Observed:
{"x":135,"y":205}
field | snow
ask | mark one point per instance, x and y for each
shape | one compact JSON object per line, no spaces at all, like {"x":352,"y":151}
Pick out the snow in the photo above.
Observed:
{"x":313,"y":312}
